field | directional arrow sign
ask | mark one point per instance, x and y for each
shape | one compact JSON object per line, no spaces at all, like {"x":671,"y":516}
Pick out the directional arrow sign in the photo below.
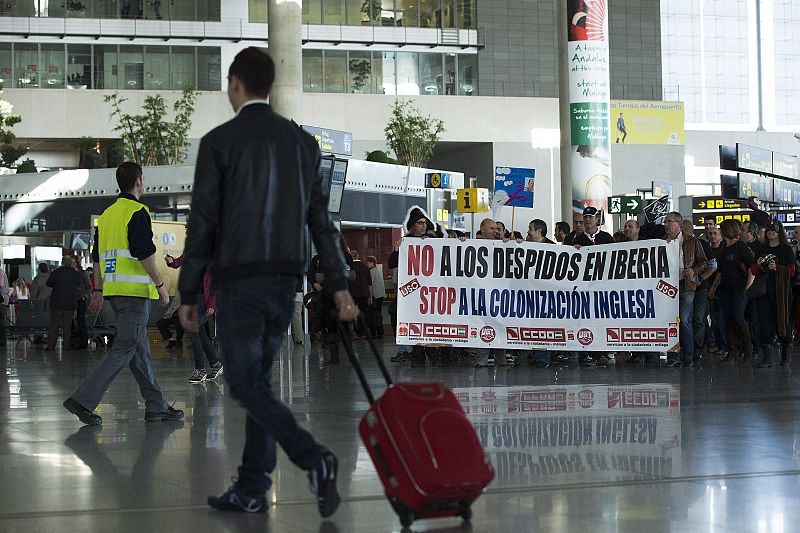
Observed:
{"x":634,"y":204}
{"x":625,"y":204}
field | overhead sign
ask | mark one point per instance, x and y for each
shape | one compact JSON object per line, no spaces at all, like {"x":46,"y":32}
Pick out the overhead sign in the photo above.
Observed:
{"x":754,"y":159}
{"x":715,"y":202}
{"x":513,"y":187}
{"x":647,"y":122}
{"x":472,"y":200}
{"x":661,"y":188}
{"x":787,"y":216}
{"x":625,"y":204}
{"x":786,"y":192}
{"x":437,"y":180}
{"x":787,"y":166}
{"x":698,"y":219}
{"x":332,"y":141}
{"x":491,"y":294}
{"x":754,"y":185}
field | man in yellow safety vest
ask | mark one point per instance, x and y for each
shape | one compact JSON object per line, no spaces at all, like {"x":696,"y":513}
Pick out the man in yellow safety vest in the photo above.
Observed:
{"x":124,"y":254}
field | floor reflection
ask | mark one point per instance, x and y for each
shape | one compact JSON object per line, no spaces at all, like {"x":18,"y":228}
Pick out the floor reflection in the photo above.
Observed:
{"x":577,"y":433}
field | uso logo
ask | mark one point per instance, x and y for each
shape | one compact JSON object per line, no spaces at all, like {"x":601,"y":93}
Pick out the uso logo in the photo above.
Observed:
{"x":409,"y":287}
{"x":666,"y":288}
{"x":585,"y":337}
{"x":487,"y":334}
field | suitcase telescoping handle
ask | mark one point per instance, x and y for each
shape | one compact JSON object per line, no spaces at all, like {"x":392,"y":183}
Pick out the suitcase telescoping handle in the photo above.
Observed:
{"x":348,"y":345}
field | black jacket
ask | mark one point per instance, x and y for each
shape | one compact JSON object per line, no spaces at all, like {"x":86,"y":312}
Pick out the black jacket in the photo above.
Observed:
{"x":256,"y":187}
{"x":66,"y":283}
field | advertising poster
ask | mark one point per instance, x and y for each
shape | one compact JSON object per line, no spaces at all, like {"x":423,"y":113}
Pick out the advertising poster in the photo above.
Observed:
{"x":169,"y":238}
{"x":589,"y":88}
{"x":491,"y":294}
{"x":643,"y":122}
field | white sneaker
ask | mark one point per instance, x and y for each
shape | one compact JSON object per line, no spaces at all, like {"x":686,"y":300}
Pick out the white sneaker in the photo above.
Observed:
{"x":198,"y":376}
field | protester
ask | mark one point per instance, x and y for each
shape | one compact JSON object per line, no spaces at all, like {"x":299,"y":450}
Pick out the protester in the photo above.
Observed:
{"x":692,"y":263}
{"x":569,"y":238}
{"x":592,"y":234}
{"x":417,"y":225}
{"x":561,"y":231}
{"x":734,"y":264}
{"x":717,"y":332}
{"x":631,"y":229}
{"x":774,"y":269}
{"x":484,"y":356}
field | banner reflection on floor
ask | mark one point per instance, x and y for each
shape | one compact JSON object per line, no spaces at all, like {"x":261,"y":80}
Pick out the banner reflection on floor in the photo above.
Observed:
{"x":577,"y":433}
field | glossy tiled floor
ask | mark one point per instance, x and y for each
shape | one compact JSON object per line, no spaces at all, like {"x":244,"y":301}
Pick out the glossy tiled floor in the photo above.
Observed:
{"x":616,"y":449}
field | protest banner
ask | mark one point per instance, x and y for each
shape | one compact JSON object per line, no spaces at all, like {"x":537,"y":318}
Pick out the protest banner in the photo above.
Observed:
{"x":491,"y":294}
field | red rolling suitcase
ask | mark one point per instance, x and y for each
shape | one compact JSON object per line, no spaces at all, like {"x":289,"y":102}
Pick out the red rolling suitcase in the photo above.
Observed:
{"x":424,"y":448}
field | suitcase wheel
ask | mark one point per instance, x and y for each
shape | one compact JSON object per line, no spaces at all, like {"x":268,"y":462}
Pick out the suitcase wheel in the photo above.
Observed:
{"x":407,"y":517}
{"x":466,"y":514}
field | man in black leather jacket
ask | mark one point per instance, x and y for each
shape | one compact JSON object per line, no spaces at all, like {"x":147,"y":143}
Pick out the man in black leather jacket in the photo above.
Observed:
{"x":256,"y":188}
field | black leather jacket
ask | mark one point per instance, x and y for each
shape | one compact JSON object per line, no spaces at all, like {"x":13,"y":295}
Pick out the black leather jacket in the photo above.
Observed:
{"x":256,"y":187}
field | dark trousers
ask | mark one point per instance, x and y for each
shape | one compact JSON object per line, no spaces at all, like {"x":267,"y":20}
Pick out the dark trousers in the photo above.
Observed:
{"x":201,"y":344}
{"x":83,"y":331}
{"x":375,"y":318}
{"x":700,"y":319}
{"x":3,"y":320}
{"x":363,"y":306}
{"x":60,"y":319}
{"x":164,"y":324}
{"x":254,"y":315}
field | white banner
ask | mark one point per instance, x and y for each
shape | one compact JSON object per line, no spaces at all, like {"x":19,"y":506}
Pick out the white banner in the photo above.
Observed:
{"x":490,"y":294}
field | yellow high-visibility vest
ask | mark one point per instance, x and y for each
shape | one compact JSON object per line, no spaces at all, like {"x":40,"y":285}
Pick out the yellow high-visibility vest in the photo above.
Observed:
{"x":123,"y":274}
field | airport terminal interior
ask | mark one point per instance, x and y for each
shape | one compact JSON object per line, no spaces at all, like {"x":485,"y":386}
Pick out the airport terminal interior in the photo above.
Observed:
{"x":620,"y":112}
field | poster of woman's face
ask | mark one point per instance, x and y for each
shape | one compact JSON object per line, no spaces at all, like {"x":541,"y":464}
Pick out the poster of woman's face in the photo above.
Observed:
{"x":585,"y":19}
{"x":577,"y":15}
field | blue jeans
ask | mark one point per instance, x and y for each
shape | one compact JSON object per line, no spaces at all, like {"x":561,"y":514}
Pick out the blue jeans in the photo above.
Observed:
{"x":686,"y":311}
{"x":700,"y":318}
{"x":200,"y":342}
{"x":253,"y":316}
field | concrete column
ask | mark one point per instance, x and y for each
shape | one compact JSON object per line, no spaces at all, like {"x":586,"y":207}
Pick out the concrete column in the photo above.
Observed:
{"x":587,"y":102}
{"x":565,"y":152}
{"x":285,"y":47}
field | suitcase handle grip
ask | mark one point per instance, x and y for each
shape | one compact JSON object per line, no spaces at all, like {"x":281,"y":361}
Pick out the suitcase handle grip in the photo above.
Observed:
{"x":348,"y":346}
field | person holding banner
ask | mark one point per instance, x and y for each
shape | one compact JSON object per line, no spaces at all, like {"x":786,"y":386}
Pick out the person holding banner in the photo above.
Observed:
{"x":592,"y":234}
{"x":418,"y":225}
{"x":693,"y":263}
{"x":488,"y":231}
{"x":733,"y":263}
